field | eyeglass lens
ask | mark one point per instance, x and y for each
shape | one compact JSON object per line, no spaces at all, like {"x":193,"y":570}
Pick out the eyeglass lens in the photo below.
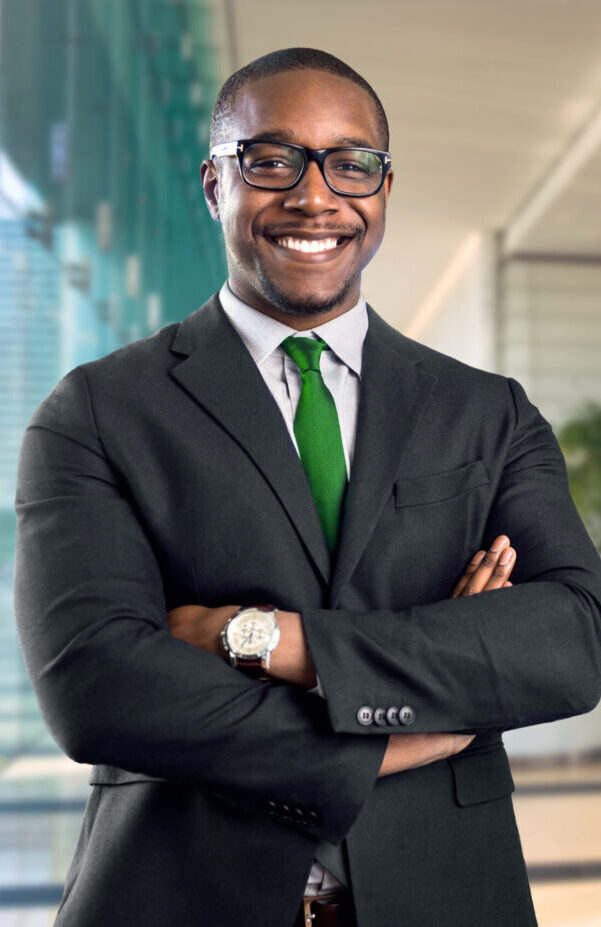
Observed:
{"x":267,"y":164}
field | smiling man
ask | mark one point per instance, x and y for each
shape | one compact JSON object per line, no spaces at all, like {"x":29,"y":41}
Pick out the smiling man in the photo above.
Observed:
{"x":241,"y":580}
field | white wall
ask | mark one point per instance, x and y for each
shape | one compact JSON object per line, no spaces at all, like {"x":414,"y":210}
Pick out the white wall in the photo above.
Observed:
{"x":458,"y":318}
{"x":550,"y":338}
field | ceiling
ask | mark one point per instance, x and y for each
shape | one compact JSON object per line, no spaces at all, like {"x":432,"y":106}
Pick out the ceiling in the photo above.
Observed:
{"x":484,"y":99}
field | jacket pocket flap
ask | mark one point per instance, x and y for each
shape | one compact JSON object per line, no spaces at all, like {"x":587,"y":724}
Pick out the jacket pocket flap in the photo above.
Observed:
{"x":481,"y":776}
{"x":436,"y":487}
{"x":111,"y":775}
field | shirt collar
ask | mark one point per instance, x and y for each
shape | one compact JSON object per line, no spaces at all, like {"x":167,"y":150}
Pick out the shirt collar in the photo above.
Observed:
{"x":262,"y":335}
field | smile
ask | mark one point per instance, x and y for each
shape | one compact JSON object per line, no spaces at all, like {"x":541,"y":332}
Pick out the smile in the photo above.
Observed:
{"x":310,"y":250}
{"x":309,"y":247}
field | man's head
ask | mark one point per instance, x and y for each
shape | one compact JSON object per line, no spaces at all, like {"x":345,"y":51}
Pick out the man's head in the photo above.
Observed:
{"x":312,"y":99}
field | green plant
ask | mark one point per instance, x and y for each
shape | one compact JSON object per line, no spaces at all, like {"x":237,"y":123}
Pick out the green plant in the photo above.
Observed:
{"x":580,"y":441}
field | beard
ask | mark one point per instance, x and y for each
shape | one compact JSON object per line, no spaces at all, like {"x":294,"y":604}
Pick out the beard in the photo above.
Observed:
{"x":287,"y":304}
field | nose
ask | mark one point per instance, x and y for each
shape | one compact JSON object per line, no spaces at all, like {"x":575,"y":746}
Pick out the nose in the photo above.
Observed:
{"x":312,"y":194}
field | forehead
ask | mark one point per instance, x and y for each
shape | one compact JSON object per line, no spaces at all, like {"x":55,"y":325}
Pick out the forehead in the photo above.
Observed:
{"x":312,"y":108}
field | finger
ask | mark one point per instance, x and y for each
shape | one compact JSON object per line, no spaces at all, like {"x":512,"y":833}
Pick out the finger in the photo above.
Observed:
{"x":511,"y":564}
{"x":501,"y":571}
{"x":477,"y":582}
{"x":469,"y":571}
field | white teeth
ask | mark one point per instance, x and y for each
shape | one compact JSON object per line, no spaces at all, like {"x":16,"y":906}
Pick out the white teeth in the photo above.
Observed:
{"x":311,"y":247}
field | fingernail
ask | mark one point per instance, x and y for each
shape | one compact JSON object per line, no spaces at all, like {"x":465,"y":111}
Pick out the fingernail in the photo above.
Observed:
{"x":499,"y":543}
{"x":506,"y":557}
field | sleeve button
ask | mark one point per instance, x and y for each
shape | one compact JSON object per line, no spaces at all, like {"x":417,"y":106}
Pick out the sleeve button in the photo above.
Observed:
{"x":392,"y":715}
{"x":406,"y":715}
{"x":380,"y":717}
{"x":312,"y":818}
{"x":365,"y":715}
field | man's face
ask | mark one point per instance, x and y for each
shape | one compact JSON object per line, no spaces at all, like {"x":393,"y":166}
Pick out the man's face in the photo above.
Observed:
{"x":317,"y":110}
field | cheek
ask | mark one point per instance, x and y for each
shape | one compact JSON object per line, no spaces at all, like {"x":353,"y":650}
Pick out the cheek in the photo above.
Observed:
{"x":375,"y":232}
{"x":236,"y":227}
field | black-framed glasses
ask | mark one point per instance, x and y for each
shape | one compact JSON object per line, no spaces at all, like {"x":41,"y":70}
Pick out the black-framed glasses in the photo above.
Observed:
{"x":271,"y":165}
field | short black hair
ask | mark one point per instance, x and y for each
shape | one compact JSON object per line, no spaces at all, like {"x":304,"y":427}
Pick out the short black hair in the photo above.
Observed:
{"x":286,"y":59}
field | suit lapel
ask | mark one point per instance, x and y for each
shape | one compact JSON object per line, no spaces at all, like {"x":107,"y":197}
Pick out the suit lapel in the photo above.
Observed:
{"x":393,"y":398}
{"x":219,"y":373}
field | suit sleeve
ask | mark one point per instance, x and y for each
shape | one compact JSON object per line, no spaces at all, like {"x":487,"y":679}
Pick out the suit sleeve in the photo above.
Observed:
{"x":498,"y":660}
{"x":114,"y":687}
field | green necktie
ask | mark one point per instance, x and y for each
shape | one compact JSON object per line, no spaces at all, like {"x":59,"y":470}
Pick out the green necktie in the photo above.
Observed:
{"x":317,"y":432}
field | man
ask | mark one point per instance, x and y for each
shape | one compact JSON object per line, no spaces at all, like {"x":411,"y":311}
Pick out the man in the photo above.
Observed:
{"x":341,"y":736}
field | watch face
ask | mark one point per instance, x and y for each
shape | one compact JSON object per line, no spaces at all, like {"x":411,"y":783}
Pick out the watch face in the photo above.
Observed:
{"x":251,"y":633}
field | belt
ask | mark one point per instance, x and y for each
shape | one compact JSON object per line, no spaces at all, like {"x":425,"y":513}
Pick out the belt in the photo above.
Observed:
{"x":333,"y":910}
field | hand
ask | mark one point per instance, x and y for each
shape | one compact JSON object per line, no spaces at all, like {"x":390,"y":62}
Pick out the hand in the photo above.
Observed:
{"x":487,"y":569}
{"x":201,"y":626}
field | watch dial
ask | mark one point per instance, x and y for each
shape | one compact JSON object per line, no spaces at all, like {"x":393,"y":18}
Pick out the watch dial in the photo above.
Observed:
{"x":250,"y":634}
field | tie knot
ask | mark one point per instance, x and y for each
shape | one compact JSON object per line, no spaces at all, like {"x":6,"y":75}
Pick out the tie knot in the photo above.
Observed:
{"x":305,"y":352}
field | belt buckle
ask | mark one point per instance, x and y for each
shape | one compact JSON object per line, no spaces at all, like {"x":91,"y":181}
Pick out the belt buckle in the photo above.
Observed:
{"x":308,"y":915}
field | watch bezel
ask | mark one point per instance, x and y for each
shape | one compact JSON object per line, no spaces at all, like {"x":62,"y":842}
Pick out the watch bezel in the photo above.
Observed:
{"x":257,"y":655}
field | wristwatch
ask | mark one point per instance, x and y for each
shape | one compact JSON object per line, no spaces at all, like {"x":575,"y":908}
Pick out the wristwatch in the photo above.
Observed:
{"x":249,"y":637}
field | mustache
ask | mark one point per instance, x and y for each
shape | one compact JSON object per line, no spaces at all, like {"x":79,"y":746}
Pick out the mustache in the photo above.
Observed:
{"x":292,"y":228}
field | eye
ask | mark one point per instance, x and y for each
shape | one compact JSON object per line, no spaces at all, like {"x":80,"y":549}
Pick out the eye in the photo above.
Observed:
{"x":356,"y":164}
{"x":351,"y":167}
{"x":270,"y":158}
{"x":269,"y":164}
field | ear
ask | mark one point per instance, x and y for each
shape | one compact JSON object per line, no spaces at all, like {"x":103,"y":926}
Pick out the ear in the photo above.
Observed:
{"x":210,"y":183}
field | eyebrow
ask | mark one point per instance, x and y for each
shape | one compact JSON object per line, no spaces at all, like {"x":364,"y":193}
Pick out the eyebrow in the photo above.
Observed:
{"x":289,"y":135}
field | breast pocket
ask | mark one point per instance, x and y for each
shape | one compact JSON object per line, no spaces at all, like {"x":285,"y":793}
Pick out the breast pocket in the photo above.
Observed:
{"x":440,"y":487}
{"x":427,"y":533}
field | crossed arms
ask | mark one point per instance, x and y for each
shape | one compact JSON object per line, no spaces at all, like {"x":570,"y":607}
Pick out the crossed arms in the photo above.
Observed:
{"x":117,"y":688}
{"x":291,"y":661}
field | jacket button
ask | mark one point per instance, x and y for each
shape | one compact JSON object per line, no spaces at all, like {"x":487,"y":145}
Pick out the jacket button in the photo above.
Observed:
{"x":268,"y":807}
{"x":365,"y":715}
{"x":392,"y":715}
{"x":380,"y":717}
{"x":284,"y":811}
{"x":312,"y":818}
{"x":406,"y":715}
{"x":297,"y":815}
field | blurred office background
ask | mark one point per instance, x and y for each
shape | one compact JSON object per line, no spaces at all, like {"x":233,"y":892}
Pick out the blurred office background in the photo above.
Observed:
{"x":492,"y":254}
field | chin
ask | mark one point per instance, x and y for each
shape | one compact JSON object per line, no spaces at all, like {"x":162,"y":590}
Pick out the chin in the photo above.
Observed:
{"x":295,"y":304}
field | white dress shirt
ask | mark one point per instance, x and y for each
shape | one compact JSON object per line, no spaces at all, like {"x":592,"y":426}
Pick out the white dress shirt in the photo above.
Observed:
{"x":340,"y":366}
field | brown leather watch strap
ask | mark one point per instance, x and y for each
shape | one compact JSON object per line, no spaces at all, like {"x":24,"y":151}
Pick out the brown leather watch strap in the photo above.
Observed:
{"x":252,"y":668}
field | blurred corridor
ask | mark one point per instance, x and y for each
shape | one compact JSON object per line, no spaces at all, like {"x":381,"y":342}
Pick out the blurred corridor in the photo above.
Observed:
{"x":492,"y":254}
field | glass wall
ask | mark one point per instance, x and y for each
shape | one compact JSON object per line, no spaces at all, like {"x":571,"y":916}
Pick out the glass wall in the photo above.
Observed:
{"x":104,"y":238}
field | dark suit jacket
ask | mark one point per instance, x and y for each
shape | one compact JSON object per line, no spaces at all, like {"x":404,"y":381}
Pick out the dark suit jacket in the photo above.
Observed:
{"x":163,"y":475}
